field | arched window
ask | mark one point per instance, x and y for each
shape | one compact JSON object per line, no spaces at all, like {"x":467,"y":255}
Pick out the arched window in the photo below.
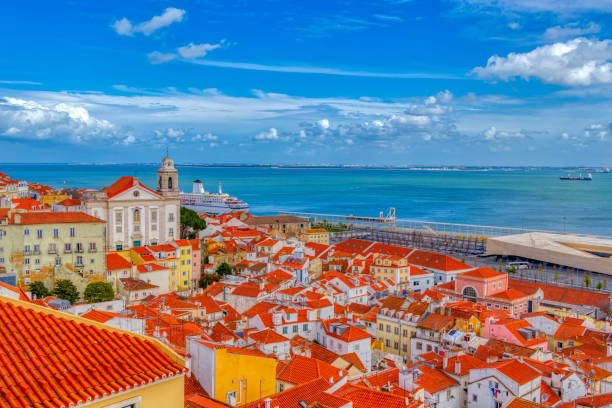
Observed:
{"x":469,"y":293}
{"x":169,"y":183}
{"x":159,"y":183}
{"x":136,"y":215}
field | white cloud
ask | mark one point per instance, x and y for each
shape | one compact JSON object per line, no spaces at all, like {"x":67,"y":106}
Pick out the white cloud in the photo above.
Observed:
{"x":513,"y":25}
{"x":323,"y":123}
{"x":169,"y":16}
{"x":580,"y":61}
{"x":123,"y":27}
{"x":61,"y":122}
{"x":539,"y":6}
{"x":157,"y":57}
{"x":192,"y":50}
{"x":271,"y":134}
{"x":570,"y":30}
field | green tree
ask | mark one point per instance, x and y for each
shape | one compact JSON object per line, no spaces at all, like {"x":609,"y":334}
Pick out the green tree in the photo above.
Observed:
{"x":39,"y":290}
{"x":599,"y":285}
{"x":205,"y":281}
{"x":587,"y":281}
{"x":191,"y":223}
{"x":224,"y":269}
{"x":98,"y":292}
{"x":64,"y":289}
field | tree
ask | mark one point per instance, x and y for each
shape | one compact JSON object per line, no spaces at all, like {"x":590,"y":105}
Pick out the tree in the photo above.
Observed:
{"x":64,"y":289}
{"x":205,"y":281}
{"x":191,"y":223}
{"x":599,"y":285}
{"x":224,"y":269}
{"x":98,"y":292}
{"x":587,"y":281}
{"x":39,"y":290}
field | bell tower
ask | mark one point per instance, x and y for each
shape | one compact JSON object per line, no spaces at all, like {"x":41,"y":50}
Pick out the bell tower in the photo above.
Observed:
{"x":167,"y":178}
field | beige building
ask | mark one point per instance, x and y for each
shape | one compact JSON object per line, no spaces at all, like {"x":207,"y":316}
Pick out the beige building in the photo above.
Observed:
{"x":288,"y":225}
{"x":135,"y":214}
{"x":396,"y":324}
{"x":318,"y":235}
{"x":50,"y":246}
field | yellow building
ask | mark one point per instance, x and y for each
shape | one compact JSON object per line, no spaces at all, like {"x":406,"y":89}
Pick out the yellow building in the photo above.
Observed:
{"x":50,"y":199}
{"x":318,"y":235}
{"x":392,"y":267}
{"x":51,"y":246}
{"x":232,"y":375}
{"x":183,"y":247}
{"x":145,"y":372}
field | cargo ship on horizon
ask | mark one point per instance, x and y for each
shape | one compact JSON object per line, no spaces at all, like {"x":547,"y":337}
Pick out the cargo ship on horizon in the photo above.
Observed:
{"x":588,"y":177}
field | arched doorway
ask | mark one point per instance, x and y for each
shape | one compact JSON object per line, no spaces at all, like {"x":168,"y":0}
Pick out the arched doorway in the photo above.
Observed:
{"x":469,"y":293}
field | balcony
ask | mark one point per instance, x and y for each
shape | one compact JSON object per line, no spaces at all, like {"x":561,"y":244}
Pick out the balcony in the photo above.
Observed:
{"x":52,"y":251}
{"x":27,"y":252}
{"x":67,"y":250}
{"x":78,"y":250}
{"x":91,"y":250}
{"x":36,"y":252}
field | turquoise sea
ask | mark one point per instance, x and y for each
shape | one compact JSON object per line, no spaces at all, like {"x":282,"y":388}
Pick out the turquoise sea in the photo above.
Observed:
{"x":519,"y":198}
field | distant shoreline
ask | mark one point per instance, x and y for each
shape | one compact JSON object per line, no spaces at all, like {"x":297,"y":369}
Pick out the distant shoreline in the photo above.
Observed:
{"x":334,"y":167}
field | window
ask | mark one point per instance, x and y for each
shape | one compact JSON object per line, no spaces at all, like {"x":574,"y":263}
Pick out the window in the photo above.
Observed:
{"x":295,"y":328}
{"x":285,"y":330}
{"x":305,"y":327}
{"x":136,"y":215}
{"x":58,"y":261}
{"x":475,"y":397}
{"x":419,"y":346}
{"x":79,"y":247}
{"x":388,"y":343}
{"x":55,"y":233}
{"x":67,"y":248}
{"x":26,"y":232}
{"x":405,"y":333}
{"x":388,"y":329}
{"x":171,"y":231}
{"x":405,"y":348}
{"x":39,"y":233}
{"x":26,"y":261}
{"x":396,"y":330}
{"x":171,"y":217}
{"x":395,"y":345}
{"x":72,"y":232}
{"x":92,"y":247}
{"x":381,"y":326}
{"x":79,"y":260}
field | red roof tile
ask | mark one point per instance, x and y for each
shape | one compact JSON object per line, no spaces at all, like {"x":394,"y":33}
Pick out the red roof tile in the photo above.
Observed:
{"x":115,"y":261}
{"x":68,"y":217}
{"x":300,"y":370}
{"x":53,"y":359}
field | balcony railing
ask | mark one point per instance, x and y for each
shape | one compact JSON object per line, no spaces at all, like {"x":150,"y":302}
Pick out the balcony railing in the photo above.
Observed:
{"x":52,"y":251}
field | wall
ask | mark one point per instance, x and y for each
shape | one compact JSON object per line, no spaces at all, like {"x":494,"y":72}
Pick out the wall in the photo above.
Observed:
{"x":167,"y":393}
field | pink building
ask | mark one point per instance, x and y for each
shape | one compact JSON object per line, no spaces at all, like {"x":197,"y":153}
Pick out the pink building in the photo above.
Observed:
{"x":488,"y":287}
{"x":515,"y":331}
{"x":196,"y":261}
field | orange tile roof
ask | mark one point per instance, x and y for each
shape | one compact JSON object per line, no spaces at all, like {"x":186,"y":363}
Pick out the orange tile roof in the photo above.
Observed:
{"x":466,"y":363}
{"x":483,"y":273}
{"x":433,"y":380}
{"x":523,"y":403}
{"x":122,"y":184}
{"x":267,"y":336}
{"x":316,"y":350}
{"x":567,"y":331}
{"x":202,"y":401}
{"x":597,"y":401}
{"x":307,"y":392}
{"x":131,"y":284}
{"x":352,"y":333}
{"x":301,"y":369}
{"x":115,"y":261}
{"x":510,"y":294}
{"x":436,"y":321}
{"x":363,"y":397}
{"x":53,"y":359}
{"x":68,"y":217}
{"x":563,"y":294}
{"x":436,"y":261}
{"x":515,"y":370}
{"x":103,"y":316}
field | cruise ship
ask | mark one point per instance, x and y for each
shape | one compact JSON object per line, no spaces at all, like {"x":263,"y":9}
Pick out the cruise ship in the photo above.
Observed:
{"x":202,"y":201}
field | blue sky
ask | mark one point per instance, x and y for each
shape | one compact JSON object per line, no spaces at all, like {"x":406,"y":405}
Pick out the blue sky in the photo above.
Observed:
{"x":425,"y":82}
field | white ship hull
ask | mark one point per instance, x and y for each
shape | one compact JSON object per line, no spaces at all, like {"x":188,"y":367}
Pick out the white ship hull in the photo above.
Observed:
{"x":204,"y":202}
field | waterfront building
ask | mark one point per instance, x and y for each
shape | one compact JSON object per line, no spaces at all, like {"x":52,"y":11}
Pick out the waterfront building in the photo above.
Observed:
{"x":49,"y":246}
{"x":316,"y":235}
{"x":137,"y":215}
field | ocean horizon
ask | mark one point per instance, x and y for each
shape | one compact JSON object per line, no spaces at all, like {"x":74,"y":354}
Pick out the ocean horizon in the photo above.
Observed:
{"x":522,"y":197}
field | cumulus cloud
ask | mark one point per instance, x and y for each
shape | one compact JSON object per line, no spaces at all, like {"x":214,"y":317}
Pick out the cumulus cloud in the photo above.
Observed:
{"x":270,"y":134}
{"x":61,"y":122}
{"x":169,"y":16}
{"x":189,"y":52}
{"x":576,"y":62}
{"x":157,"y":57}
{"x":192,"y":50}
{"x":570,"y":30}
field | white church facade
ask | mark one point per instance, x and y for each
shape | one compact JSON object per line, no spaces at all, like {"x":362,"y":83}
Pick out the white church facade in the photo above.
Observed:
{"x":136,"y":215}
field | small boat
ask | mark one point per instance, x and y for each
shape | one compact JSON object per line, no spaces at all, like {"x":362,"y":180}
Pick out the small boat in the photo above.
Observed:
{"x":588,"y":177}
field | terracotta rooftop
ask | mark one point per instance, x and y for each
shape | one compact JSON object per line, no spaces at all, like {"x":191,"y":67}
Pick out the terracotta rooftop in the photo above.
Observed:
{"x":71,"y":360}
{"x":301,"y":369}
{"x":563,"y":294}
{"x":68,"y":217}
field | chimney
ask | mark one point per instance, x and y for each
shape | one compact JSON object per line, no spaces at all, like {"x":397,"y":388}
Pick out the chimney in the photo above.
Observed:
{"x":457,"y":367}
